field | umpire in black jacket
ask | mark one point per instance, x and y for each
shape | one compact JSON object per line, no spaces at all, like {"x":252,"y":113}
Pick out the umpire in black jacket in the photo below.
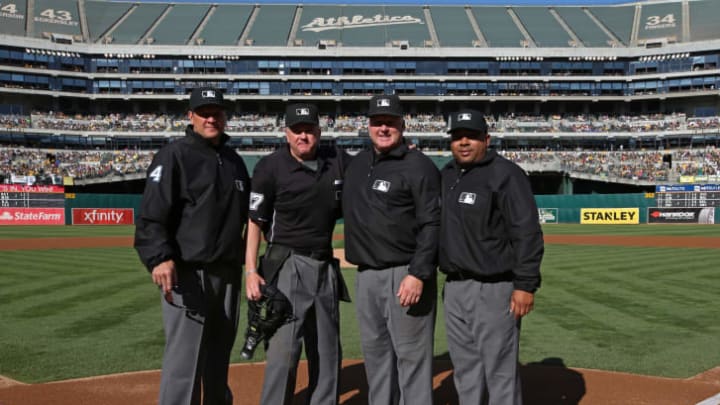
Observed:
{"x":188,"y":236}
{"x":295,"y":201}
{"x":392,"y":219}
{"x":491,"y":246}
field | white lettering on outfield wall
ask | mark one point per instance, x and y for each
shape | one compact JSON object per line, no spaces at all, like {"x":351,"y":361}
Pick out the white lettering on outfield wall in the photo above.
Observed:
{"x":111,"y":216}
{"x":358,"y":21}
{"x":37,"y":216}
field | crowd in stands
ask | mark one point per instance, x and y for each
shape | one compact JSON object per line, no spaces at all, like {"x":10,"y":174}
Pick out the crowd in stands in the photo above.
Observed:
{"x":643,"y":165}
{"x":593,"y":123}
{"x":45,"y":165}
{"x":627,"y":165}
{"x":12,"y":121}
{"x":346,"y":123}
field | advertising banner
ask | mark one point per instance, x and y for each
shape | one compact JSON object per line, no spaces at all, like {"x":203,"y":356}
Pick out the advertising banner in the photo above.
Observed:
{"x":548,"y":215}
{"x":32,"y":216}
{"x":681,"y":215}
{"x":609,"y":215}
{"x":686,"y":188}
{"x":103,"y":216}
{"x":20,"y":188}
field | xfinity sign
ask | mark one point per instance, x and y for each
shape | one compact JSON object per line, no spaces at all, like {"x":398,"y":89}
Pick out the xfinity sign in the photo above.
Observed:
{"x":103,"y":216}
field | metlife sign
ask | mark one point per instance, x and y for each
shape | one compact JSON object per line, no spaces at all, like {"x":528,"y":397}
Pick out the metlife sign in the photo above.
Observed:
{"x":103,"y":216}
{"x":686,"y":188}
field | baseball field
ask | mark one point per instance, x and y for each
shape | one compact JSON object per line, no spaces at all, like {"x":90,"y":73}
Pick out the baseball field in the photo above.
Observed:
{"x":626,"y":315}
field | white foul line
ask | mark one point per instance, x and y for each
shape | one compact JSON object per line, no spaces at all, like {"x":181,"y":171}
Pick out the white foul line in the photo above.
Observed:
{"x":714,"y":400}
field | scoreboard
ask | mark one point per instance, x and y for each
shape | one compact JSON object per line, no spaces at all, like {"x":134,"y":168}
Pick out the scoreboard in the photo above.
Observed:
{"x":688,"y":196}
{"x":18,"y":196}
{"x":32,"y":205}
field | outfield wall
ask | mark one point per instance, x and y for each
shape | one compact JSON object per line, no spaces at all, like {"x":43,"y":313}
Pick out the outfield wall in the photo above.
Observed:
{"x":569,"y":207}
{"x":94,"y":205}
{"x":596,"y":208}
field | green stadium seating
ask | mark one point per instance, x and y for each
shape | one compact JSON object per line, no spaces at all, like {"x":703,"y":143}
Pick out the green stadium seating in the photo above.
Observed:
{"x":544,"y":29}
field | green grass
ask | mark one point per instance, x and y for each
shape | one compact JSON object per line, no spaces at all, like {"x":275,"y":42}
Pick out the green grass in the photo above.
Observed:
{"x":632,"y":230}
{"x":15,"y":232}
{"x":82,"y":312}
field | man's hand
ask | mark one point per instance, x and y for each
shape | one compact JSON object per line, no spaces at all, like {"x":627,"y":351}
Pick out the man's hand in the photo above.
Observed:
{"x":410,"y":290}
{"x":521,"y":303}
{"x":253,"y":281}
{"x":164,"y":276}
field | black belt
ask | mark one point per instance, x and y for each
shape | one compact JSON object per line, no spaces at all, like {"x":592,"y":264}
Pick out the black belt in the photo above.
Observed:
{"x":492,"y":278}
{"x":322,"y":255}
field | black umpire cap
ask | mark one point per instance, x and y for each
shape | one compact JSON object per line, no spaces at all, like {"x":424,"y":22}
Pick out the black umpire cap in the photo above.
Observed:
{"x":301,"y":113}
{"x":385,"y":105}
{"x":202,"y":96}
{"x":467,"y":119}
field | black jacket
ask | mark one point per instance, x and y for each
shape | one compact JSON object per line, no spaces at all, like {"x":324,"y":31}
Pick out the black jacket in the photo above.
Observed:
{"x":490,"y":222}
{"x":392,"y":212}
{"x":296,"y":206}
{"x":195,"y":204}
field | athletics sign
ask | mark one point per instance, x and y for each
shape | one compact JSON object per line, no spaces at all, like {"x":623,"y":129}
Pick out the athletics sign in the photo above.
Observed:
{"x":358,"y":21}
{"x":548,"y":215}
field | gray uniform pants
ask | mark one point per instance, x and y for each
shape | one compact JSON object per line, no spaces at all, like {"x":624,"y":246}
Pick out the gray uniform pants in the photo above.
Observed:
{"x":311,"y":287}
{"x":397,"y":342}
{"x":483,"y":340}
{"x":200,"y":328}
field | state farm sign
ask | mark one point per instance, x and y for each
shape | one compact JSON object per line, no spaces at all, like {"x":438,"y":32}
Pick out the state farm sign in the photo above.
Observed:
{"x":32,"y":216}
{"x":103,"y":216}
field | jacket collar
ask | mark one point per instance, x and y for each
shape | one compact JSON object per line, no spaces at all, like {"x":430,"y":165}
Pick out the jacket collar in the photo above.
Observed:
{"x":394,"y":153}
{"x":199,"y":140}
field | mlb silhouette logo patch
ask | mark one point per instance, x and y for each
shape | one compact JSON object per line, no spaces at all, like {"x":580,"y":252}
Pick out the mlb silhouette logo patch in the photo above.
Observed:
{"x":467,"y":198}
{"x":302,"y":111}
{"x":464,"y":117}
{"x":239,"y":185}
{"x":381,"y":185}
{"x":208,"y":94}
{"x":383,"y":102}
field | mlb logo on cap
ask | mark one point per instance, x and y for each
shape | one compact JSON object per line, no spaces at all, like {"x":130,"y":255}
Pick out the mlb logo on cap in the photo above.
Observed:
{"x":468,"y":119}
{"x":302,"y":113}
{"x":202,"y":96}
{"x":385,"y":105}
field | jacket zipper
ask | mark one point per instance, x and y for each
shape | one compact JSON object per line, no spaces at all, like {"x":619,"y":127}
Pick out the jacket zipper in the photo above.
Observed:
{"x":457,"y":180}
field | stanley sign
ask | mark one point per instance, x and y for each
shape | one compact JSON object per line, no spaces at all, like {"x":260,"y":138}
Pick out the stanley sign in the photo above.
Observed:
{"x":609,"y":216}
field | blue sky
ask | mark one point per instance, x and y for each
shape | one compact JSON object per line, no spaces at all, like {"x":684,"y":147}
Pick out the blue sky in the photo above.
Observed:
{"x":419,"y":2}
